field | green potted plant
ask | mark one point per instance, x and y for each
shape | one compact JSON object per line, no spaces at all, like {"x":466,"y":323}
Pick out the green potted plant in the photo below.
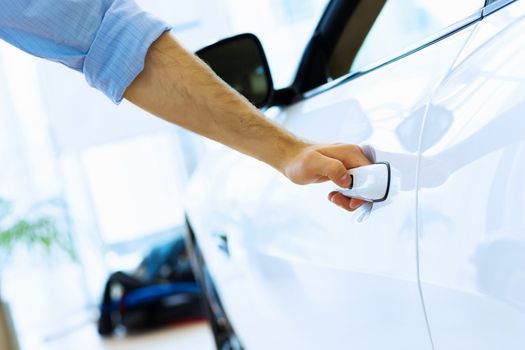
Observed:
{"x":36,"y":230}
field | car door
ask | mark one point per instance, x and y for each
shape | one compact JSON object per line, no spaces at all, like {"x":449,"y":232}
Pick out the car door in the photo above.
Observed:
{"x":300,"y":273}
{"x":471,"y":196}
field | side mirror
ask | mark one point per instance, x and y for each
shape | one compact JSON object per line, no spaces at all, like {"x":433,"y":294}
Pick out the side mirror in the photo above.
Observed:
{"x":240,"y":61}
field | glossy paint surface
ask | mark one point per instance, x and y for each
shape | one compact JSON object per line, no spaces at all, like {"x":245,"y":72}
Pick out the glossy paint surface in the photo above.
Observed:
{"x":471,"y":214}
{"x":300,"y":273}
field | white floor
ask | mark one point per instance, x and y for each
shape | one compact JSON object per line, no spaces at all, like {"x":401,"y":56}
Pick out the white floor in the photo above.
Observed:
{"x":193,"y":336}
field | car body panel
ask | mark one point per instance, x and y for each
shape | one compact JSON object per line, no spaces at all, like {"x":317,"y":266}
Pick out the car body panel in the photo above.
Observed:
{"x":471,"y":222}
{"x":299,"y":272}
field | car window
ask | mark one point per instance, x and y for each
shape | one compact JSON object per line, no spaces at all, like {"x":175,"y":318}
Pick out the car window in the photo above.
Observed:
{"x":381,"y":29}
{"x":283,"y":26}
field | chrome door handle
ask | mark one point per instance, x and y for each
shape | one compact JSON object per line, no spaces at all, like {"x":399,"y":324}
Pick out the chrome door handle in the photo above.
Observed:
{"x":369,"y":182}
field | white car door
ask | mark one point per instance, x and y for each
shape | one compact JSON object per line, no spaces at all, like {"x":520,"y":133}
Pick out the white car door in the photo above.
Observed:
{"x":472,"y":194}
{"x":300,"y":273}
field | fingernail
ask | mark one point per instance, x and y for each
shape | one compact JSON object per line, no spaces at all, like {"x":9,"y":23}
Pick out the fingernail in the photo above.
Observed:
{"x":345,"y":179}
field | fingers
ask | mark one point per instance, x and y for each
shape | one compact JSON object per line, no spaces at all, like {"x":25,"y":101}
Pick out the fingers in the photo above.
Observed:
{"x":337,"y":160}
{"x":356,"y":203}
{"x":335,"y":170}
{"x":319,"y":163}
{"x":350,"y":155}
{"x":344,"y":202}
{"x":340,"y":200}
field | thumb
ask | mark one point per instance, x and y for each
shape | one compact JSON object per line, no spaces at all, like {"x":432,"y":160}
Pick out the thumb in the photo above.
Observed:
{"x":336,"y":171}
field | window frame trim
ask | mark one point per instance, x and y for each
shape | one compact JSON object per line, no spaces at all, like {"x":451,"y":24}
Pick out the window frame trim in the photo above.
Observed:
{"x":492,"y":6}
{"x":431,"y":40}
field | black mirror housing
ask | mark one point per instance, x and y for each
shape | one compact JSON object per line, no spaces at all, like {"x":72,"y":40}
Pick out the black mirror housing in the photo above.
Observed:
{"x":241,"y":62}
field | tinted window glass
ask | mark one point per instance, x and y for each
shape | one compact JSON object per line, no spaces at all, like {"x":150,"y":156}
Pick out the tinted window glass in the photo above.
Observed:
{"x":283,"y":26}
{"x":392,"y":27}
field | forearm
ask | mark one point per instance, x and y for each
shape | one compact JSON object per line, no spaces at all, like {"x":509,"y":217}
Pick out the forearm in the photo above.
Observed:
{"x":179,"y":88}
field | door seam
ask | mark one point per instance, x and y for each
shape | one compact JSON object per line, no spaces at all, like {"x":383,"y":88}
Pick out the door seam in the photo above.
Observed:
{"x":418,"y":170}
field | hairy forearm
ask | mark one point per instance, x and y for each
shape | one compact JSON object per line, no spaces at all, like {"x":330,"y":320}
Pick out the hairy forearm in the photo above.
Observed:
{"x":178,"y":87}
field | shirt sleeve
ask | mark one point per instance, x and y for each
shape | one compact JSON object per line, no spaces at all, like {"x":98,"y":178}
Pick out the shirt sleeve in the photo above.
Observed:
{"x":107,"y":40}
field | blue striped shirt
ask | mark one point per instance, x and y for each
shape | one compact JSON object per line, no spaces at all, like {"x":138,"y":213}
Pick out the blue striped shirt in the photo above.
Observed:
{"x":106,"y":40}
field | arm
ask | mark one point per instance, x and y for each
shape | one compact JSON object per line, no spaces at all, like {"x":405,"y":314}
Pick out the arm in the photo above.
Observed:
{"x":178,"y":87}
{"x":110,"y":41}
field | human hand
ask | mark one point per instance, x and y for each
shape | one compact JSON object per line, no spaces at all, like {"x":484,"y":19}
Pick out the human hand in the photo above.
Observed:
{"x":320,"y":163}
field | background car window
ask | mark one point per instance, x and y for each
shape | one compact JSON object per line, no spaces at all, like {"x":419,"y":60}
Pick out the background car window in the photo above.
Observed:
{"x":381,"y":29}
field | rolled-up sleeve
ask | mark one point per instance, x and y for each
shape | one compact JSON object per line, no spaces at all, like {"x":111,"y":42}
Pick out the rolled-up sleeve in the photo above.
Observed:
{"x":107,"y":40}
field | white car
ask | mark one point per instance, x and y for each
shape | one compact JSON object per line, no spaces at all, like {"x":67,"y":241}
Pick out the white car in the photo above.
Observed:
{"x":437,"y":89}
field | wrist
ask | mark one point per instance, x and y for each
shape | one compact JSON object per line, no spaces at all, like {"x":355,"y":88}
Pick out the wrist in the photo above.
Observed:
{"x":289,"y":151}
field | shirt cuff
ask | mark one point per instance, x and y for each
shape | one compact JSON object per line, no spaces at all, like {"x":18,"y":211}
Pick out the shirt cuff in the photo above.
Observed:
{"x":117,"y":53}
